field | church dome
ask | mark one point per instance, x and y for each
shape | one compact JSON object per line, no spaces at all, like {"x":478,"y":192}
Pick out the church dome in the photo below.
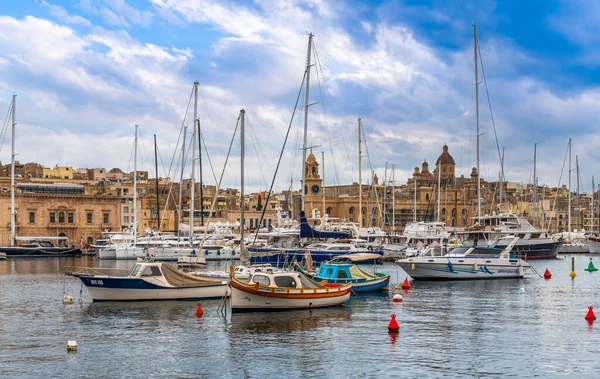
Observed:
{"x":445,"y":158}
{"x":311,"y":158}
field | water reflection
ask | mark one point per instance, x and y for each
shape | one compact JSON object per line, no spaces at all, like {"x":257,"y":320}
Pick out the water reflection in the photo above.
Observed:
{"x":289,"y":321}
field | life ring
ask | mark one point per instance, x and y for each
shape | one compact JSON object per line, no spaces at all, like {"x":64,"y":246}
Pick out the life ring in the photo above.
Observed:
{"x":370,"y":248}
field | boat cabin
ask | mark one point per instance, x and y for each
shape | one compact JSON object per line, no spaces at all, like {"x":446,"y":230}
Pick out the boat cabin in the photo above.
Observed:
{"x":285,"y":279}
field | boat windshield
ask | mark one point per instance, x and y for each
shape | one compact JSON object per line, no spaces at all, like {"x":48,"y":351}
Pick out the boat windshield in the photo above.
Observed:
{"x":135,"y":270}
{"x":285,"y":281}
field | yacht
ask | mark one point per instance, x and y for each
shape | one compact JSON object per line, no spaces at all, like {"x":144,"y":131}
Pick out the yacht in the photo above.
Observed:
{"x":416,"y":237}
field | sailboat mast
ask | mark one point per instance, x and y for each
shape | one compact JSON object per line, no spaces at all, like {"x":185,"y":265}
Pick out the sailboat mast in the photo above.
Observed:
{"x":415,"y":202}
{"x":12,"y":173}
{"x":193,"y":187}
{"x":360,"y":215}
{"x":439,"y":170}
{"x":393,"y":197}
{"x":201,"y":182}
{"x":569,"y":212}
{"x":156,"y":187}
{"x":135,"y":142}
{"x":534,"y":183}
{"x":592,"y":219}
{"x":578,"y":215}
{"x":323,"y":189}
{"x":181,"y":181}
{"x":304,"y":189}
{"x":385,"y":183}
{"x":242,"y":202}
{"x":477,"y":119}
{"x":501,"y":180}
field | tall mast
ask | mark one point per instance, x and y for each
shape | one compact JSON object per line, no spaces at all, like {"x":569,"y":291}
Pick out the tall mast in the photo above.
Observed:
{"x":393,"y":197}
{"x":156,"y":187}
{"x":201,"y":182}
{"x":415,"y":202}
{"x":569,"y":212}
{"x":323,"y":189}
{"x":385,"y":183}
{"x":592,"y":208}
{"x":577,"y":198}
{"x":501,"y":180}
{"x":308,"y":65}
{"x":477,"y":119}
{"x":181,"y":181}
{"x":439,"y":170}
{"x":534,"y":183}
{"x":360,"y":215}
{"x":193,"y":188}
{"x":12,"y":173}
{"x":242,"y":202}
{"x":135,"y":142}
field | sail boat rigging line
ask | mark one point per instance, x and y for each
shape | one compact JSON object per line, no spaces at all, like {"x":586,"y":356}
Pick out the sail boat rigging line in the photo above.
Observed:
{"x":262,"y":215}
{"x":214,"y":202}
{"x":212,"y":169}
{"x":320,"y":79}
{"x":372,"y":174}
{"x":6,"y":124}
{"x":558,"y":186}
{"x":490,"y":105}
{"x":254,"y":139}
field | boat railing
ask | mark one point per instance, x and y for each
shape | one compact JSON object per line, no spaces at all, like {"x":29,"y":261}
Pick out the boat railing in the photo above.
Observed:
{"x":99,"y":271}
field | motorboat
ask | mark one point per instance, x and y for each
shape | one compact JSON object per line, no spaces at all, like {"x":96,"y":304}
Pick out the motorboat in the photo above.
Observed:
{"x":40,"y":247}
{"x":269,"y":291}
{"x":415,"y":236}
{"x":241,"y":272}
{"x":148,"y":281}
{"x":574,"y":242}
{"x":465,"y":263}
{"x":343,"y":273}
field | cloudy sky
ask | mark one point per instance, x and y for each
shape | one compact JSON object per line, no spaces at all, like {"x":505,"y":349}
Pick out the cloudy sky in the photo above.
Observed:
{"x":86,"y":71}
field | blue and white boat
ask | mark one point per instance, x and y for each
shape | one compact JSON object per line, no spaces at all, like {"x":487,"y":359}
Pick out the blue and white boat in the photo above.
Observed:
{"x":149,"y":281}
{"x":343,"y":273}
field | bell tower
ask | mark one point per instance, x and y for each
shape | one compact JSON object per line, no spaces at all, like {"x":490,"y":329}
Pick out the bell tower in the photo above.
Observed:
{"x":314,"y":183}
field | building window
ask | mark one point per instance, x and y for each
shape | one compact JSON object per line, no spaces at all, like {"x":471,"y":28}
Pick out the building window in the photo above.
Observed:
{"x":32,"y":217}
{"x":105,"y":218}
{"x":52,"y":217}
{"x":464,"y":212}
{"x":126,"y":219}
{"x":125,"y":209}
{"x":453,"y":212}
{"x":362,"y":211}
{"x":89,"y":217}
{"x":61,"y":217}
{"x":373,"y":211}
{"x":329,"y":210}
{"x":427,"y":197}
{"x":443,"y":211}
{"x":351,"y":210}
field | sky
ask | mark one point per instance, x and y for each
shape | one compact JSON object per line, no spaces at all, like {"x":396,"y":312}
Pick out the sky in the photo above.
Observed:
{"x":85,"y":72}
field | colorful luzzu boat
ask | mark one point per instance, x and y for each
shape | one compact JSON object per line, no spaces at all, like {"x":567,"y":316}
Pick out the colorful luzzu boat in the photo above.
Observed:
{"x":336,"y":273}
{"x":268,"y":291}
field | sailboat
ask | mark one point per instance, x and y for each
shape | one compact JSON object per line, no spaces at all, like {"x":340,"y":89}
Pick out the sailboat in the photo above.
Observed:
{"x":35,"y":246}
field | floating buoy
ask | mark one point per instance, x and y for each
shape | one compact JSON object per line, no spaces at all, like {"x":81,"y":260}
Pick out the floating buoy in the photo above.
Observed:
{"x":393,"y":326}
{"x":591,"y":267}
{"x":71,"y":346}
{"x":398,"y":286}
{"x":67,"y":299}
{"x":521,"y":290}
{"x":590,"y":314}
{"x":199,"y":312}
{"x":573,"y":274}
{"x":547,"y":274}
{"x":397,"y":298}
{"x":406,"y":284}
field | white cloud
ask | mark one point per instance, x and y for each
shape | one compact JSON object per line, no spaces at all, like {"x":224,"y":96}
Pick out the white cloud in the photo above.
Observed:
{"x":64,"y":16}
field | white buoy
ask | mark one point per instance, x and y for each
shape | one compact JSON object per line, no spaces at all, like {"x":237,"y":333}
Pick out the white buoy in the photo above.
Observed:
{"x":71,"y":346}
{"x":522,"y":290}
{"x":397,"y":298}
{"x":67,"y":299}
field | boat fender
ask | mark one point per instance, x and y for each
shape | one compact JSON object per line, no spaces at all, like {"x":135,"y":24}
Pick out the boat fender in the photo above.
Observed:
{"x":475,"y":267}
{"x":219,"y":252}
{"x":413,"y":266}
{"x":233,"y":252}
{"x":521,"y":271}
{"x":206,"y":251}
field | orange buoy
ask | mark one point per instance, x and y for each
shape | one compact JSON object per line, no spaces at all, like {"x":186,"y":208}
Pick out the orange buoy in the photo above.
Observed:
{"x":590,"y":314}
{"x":393,"y":326}
{"x":406,"y":284}
{"x":199,"y":312}
{"x":547,"y":274}
{"x":397,"y":298}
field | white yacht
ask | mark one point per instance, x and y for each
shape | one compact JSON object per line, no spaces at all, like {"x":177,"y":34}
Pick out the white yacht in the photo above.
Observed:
{"x":416,"y":237}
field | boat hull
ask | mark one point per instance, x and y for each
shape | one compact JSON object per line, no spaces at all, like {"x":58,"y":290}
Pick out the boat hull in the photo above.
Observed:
{"x":13,"y":252}
{"x":107,"y":253}
{"x":357,"y":286}
{"x":244,"y":299}
{"x":134,"y":289}
{"x":594,"y":245}
{"x":470,"y":269}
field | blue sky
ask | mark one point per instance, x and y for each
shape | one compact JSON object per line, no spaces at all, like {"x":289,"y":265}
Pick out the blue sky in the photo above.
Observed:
{"x":86,"y":71}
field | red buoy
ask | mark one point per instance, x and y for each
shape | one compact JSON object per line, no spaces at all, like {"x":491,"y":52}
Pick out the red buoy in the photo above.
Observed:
{"x":590,"y":314}
{"x":199,"y":312}
{"x":406,"y":284}
{"x":547,"y":274}
{"x":393,"y":326}
{"x":397,"y":298}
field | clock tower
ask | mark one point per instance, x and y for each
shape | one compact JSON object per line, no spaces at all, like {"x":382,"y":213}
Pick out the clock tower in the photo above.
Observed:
{"x":314,"y":184}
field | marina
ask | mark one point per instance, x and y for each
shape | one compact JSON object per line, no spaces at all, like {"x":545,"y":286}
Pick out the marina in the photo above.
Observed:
{"x":436,"y":318}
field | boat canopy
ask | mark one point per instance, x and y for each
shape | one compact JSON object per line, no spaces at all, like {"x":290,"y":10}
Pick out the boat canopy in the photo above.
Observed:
{"x":306,"y":231}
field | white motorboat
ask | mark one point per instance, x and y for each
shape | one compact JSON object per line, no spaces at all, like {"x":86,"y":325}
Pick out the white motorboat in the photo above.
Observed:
{"x":149,"y":281}
{"x":241,"y":272}
{"x":415,"y":237}
{"x":466,"y":263}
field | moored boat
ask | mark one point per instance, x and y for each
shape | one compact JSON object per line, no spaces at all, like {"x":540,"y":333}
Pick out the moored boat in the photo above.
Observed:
{"x":344,"y":273}
{"x":148,"y":281}
{"x":268,"y":291}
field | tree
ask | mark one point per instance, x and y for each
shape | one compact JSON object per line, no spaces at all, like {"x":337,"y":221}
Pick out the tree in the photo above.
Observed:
{"x":259,"y":205}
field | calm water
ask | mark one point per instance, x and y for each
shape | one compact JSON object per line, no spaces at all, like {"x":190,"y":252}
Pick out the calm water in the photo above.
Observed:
{"x":448,"y":329}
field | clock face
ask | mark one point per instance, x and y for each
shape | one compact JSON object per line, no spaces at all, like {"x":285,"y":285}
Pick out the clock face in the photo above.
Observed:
{"x":314,"y":189}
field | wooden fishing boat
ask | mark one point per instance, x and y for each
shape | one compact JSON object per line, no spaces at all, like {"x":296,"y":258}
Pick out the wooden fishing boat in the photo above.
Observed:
{"x":149,"y":281}
{"x":336,"y":273}
{"x":269,"y":291}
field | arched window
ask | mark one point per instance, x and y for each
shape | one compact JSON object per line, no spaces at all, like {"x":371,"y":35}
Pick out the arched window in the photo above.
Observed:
{"x":453,"y":212}
{"x":560,"y":217}
{"x":464,"y":212}
{"x":328,"y":210}
{"x":61,"y":217}
{"x":351,"y":210}
{"x":314,"y":170}
{"x":373,"y":211}
{"x":90,"y":240}
{"x":443,"y":211}
{"x":426,"y":197}
{"x":362,"y":211}
{"x":453,"y":222}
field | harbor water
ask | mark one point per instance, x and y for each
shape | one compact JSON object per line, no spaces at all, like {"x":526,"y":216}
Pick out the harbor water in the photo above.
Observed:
{"x":447,"y":329}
